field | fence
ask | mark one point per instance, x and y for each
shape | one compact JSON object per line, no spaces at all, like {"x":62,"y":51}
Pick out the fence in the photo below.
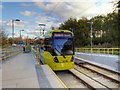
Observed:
{"x":9,"y":53}
{"x":113,"y":51}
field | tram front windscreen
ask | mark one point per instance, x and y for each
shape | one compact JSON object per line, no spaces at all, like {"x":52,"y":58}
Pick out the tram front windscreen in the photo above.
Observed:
{"x":63,"y":43}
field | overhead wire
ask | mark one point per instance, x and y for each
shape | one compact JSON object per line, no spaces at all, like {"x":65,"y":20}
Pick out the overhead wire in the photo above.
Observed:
{"x":61,"y":17}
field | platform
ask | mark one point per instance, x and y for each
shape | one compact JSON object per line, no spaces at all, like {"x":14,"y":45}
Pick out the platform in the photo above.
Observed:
{"x":101,"y":60}
{"x":22,"y":71}
{"x":47,"y":78}
{"x":19,"y":72}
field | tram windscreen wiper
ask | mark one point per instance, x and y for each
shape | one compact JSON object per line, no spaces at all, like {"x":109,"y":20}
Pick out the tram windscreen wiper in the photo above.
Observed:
{"x":57,"y":51}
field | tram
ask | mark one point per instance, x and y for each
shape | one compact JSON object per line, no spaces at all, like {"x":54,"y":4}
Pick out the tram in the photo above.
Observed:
{"x":57,"y":50}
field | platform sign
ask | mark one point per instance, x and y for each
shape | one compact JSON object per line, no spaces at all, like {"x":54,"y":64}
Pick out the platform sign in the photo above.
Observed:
{"x":20,"y":42}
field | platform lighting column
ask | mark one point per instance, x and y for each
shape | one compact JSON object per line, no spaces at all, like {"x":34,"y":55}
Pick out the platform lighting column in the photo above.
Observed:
{"x":71,"y":29}
{"x":20,"y":34}
{"x":13,"y":29}
{"x":91,"y":36}
{"x":91,"y":26}
{"x":41,"y":28}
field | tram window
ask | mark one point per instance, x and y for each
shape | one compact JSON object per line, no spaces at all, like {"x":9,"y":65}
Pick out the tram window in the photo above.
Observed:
{"x":48,"y":41}
{"x":53,"y":53}
{"x":48,"y":44}
{"x":48,"y":48}
{"x":68,"y":48}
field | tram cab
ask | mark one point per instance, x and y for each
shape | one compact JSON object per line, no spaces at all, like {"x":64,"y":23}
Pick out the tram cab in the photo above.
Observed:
{"x":58,"y":50}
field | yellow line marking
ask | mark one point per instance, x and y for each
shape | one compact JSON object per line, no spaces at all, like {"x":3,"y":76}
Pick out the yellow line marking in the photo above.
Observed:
{"x":57,"y":77}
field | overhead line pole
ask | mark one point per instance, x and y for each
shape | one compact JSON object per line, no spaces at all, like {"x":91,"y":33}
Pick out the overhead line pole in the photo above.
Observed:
{"x":91,"y":23}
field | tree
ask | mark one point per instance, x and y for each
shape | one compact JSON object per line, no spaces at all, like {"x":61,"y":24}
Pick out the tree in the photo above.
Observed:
{"x":16,"y":40}
{"x":0,"y":37}
{"x":3,"y":35}
{"x":83,"y":33}
{"x":10,"y":40}
{"x":106,"y":29}
{"x":79,"y":28}
{"x":118,"y":23}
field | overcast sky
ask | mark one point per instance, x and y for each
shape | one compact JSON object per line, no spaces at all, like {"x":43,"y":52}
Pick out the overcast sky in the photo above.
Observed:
{"x":50,"y":13}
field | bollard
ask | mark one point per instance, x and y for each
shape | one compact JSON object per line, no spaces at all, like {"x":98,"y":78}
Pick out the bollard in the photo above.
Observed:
{"x":38,"y":57}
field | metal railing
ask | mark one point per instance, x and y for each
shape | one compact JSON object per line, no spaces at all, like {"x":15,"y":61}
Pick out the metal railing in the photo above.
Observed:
{"x":113,"y":51}
{"x":36,"y":54}
{"x":9,"y":53}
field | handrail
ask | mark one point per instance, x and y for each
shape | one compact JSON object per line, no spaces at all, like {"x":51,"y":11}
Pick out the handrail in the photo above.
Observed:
{"x":9,"y":53}
{"x":112,"y":51}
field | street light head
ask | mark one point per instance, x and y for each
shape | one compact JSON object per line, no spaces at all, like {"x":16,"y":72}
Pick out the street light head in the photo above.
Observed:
{"x":41,"y":24}
{"x":22,"y":30}
{"x":17,"y":20}
{"x":90,"y":22}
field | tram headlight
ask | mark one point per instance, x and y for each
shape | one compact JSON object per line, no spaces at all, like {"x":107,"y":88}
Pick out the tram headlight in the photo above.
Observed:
{"x":56,"y":60}
{"x":72,"y":59}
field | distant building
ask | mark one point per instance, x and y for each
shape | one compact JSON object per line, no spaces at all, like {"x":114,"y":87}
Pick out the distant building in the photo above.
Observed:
{"x":99,"y":33}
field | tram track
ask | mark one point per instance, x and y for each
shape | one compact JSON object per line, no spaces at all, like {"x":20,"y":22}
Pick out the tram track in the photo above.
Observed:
{"x":71,"y":80}
{"x":98,"y":78}
{"x":87,"y":81}
{"x":82,"y":80}
{"x":102,"y":74}
{"x":109,"y":78}
{"x":91,"y":77}
{"x":78,"y":61}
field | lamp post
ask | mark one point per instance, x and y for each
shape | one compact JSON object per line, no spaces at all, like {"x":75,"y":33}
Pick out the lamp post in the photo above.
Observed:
{"x":43,"y":28}
{"x":71,"y":29}
{"x":13,"y":29}
{"x":91,"y":31}
{"x":27,"y":39}
{"x":20,"y":34}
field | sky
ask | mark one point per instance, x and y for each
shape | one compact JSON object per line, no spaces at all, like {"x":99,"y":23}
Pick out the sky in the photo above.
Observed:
{"x":48,"y":12}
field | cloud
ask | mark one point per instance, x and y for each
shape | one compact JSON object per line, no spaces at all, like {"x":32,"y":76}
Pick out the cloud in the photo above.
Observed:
{"x":28,"y":13}
{"x":27,"y":5}
{"x":47,"y":6}
{"x":18,"y":25}
{"x":75,"y":9}
{"x":56,"y":13}
{"x":7,"y":26}
{"x":1,"y":7}
{"x":35,"y":33}
{"x":50,"y":0}
{"x":48,"y":21}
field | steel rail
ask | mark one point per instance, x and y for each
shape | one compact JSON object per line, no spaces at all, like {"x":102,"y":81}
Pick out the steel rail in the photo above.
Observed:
{"x":112,"y":79}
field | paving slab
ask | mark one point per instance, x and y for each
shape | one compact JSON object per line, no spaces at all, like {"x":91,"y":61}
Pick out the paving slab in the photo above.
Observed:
{"x":48,"y":79}
{"x":19,"y":72}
